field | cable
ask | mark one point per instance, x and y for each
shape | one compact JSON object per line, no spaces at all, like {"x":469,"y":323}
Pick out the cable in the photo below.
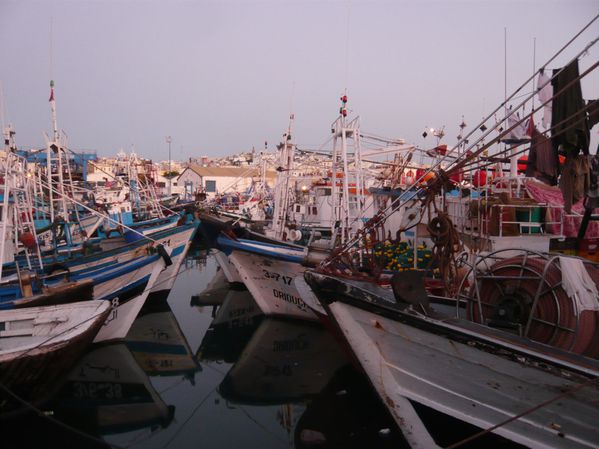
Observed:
{"x":524,"y":413}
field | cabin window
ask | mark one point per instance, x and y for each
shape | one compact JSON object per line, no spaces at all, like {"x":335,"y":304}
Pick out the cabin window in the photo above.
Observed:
{"x":314,"y":210}
{"x":210,"y":186}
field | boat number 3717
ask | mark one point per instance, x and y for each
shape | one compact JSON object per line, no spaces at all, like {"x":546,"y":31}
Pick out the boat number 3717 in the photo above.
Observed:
{"x":277,"y":277}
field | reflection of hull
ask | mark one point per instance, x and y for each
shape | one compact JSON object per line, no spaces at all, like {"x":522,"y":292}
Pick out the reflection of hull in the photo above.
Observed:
{"x":215,"y":292}
{"x":347,"y":414}
{"x":158,"y":344}
{"x":284,"y":361}
{"x":107,"y":392}
{"x":271,"y":283}
{"x":234,"y":323}
{"x":228,"y":268}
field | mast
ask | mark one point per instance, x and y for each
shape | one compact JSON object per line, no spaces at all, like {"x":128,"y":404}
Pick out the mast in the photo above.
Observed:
{"x":286,"y":156}
{"x":53,"y":109}
{"x":343,"y":133}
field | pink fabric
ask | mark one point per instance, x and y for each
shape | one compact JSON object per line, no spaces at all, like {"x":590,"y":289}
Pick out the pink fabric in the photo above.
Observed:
{"x":553,"y":196}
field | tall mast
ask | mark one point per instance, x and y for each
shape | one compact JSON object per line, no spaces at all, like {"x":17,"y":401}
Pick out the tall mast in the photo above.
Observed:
{"x":346,"y":173}
{"x":53,"y":109}
{"x":286,"y":156}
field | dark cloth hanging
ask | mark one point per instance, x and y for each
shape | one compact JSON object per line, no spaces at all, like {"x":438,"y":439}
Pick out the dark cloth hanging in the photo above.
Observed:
{"x":593,"y":111}
{"x":575,"y":180}
{"x":592,"y":201}
{"x":569,"y":123}
{"x":543,"y":162}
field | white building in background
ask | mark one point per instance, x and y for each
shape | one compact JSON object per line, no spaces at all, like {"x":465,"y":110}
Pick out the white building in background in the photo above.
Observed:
{"x":217,"y":180}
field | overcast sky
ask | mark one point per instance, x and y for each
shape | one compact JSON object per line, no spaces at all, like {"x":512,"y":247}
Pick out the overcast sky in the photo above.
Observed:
{"x":222,"y":77}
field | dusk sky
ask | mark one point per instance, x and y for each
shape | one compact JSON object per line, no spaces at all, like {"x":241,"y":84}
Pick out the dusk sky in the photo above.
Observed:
{"x":222,"y":77}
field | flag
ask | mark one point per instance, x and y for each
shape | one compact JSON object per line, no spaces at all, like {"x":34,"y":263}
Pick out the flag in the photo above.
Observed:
{"x":51,"y":94}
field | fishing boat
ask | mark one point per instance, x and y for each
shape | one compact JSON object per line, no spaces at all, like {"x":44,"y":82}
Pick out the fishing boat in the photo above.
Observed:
{"x":503,"y":347}
{"x":127,"y":306}
{"x":38,"y":345}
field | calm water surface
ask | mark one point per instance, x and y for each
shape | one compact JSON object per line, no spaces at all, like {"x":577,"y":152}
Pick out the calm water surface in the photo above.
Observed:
{"x":209,"y":371}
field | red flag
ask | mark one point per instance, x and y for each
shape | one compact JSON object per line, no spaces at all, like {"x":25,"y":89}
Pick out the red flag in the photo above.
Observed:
{"x":51,"y":94}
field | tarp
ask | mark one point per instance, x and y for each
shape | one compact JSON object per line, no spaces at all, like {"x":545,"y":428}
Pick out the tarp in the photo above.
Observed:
{"x":552,"y":196}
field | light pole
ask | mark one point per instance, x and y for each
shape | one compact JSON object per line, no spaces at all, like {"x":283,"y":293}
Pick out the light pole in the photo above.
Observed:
{"x":170,"y":177}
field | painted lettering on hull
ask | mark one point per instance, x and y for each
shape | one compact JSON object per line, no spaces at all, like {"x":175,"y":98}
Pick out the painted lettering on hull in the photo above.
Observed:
{"x":290,"y":299}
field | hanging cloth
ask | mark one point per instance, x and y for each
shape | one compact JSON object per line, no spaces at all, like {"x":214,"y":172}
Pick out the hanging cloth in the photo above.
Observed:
{"x":575,"y":180}
{"x":543,"y":162}
{"x":570,"y":128}
{"x":519,"y":133}
{"x":544,"y":93}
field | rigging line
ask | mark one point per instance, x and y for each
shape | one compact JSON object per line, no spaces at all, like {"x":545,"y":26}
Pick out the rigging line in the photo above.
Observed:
{"x":24,"y":353}
{"x":385,"y":213}
{"x":260,"y":426}
{"x":182,"y":426}
{"x":474,"y":162}
{"x":58,"y":422}
{"x":524,"y":413}
{"x":398,"y":200}
{"x":545,"y":133}
{"x":96,"y":213}
{"x":491,"y":128}
{"x":507,"y":131}
{"x":126,"y":183}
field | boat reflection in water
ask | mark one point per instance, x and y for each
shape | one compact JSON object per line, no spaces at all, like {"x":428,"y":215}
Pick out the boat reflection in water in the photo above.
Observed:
{"x":284,"y":361}
{"x":105,"y":394}
{"x":232,"y":327}
{"x":158,"y":343}
{"x":214,"y":293}
{"x":347,"y":414}
{"x":108,"y":392}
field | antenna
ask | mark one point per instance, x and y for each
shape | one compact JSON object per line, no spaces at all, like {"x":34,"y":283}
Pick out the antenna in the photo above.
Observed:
{"x":2,"y":107}
{"x":347,"y":49}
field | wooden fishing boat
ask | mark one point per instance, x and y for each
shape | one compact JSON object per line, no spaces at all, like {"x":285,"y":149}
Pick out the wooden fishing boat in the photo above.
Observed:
{"x":514,"y":367}
{"x":40,"y":344}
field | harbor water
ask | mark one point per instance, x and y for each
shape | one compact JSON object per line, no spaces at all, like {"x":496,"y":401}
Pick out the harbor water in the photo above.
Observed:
{"x":209,"y":371}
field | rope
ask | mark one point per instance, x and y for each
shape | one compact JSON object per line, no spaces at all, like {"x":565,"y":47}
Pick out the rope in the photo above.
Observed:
{"x":58,"y":422}
{"x":524,"y":413}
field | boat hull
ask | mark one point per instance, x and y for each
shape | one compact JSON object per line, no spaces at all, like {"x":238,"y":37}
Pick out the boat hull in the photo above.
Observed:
{"x":475,"y":376}
{"x":270,"y":281}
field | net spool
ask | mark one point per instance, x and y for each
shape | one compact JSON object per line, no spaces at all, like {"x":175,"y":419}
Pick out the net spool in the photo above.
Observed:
{"x":505,"y":295}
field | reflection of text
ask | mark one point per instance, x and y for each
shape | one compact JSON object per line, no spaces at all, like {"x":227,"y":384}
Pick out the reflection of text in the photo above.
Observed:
{"x":289,"y":298}
{"x":296,"y":344}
